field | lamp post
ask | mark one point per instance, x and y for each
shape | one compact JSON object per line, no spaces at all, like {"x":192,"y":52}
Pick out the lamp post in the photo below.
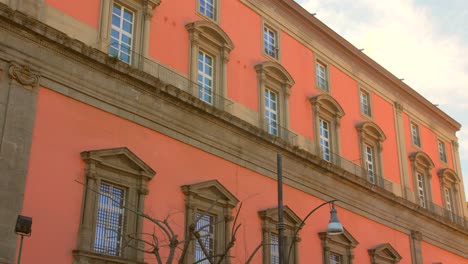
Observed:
{"x":334,"y":226}
{"x":22,"y":228}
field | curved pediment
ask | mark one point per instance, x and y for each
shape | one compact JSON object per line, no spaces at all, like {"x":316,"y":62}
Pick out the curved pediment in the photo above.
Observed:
{"x":328,"y":103}
{"x":211,"y":31}
{"x":371,"y":129}
{"x":448,"y":174}
{"x":121,"y":159}
{"x":421,"y":159}
{"x":275,"y":70}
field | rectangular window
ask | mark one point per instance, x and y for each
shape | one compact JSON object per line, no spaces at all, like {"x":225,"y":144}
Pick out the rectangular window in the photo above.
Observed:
{"x":415,"y":135}
{"x":121,"y":40}
{"x":365,"y":103}
{"x":274,"y":249}
{"x":205,"y":77}
{"x":335,"y":258}
{"x":270,"y":42}
{"x":325,"y":140}
{"x":448,"y":202}
{"x":442,"y":153}
{"x":271,"y":111}
{"x":370,"y":163}
{"x":208,"y":8}
{"x":321,"y":76}
{"x":110,"y":220}
{"x":206,"y":228}
{"x":421,"y":190}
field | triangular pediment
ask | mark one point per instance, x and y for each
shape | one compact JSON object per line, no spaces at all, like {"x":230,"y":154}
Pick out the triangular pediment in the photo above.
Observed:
{"x":345,"y":239}
{"x":290,"y":218}
{"x":211,"y":190}
{"x":121,"y":159}
{"x":384,"y":252}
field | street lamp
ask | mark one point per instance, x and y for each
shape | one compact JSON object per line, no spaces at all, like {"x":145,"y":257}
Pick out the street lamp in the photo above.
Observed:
{"x":22,"y":228}
{"x":334,"y":226}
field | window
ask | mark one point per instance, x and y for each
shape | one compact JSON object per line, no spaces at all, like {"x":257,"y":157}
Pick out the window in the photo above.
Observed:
{"x":415,"y":138}
{"x":370,"y":166}
{"x":209,"y":55}
{"x":338,"y":248}
{"x":327,"y":114}
{"x":321,"y":76}
{"x":206,"y":227}
{"x":114,"y":178}
{"x":121,"y":26}
{"x":325,"y":140}
{"x":371,"y":138}
{"x":121,"y":44}
{"x":269,"y":218}
{"x":384,"y":254}
{"x":271,"y":111}
{"x":449,"y":185}
{"x":209,"y":204}
{"x":274,"y":84}
{"x":442,"y":152}
{"x":365,"y":103}
{"x":422,"y":190}
{"x":110,"y":219}
{"x":205,"y":77}
{"x":208,"y":8}
{"x":421,"y":166}
{"x":335,"y":258}
{"x":270,"y":42}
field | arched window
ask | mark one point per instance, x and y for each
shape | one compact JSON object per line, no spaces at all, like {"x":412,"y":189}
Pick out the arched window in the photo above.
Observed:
{"x":449,"y":186}
{"x":209,"y":55}
{"x":327,"y":113}
{"x":274,"y":84}
{"x":370,"y":139}
{"x":421,"y":166}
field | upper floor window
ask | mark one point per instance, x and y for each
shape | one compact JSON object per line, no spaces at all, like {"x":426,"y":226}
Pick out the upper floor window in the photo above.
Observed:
{"x":209,"y":55}
{"x":442,"y":151}
{"x":327,"y":114}
{"x":208,"y":8}
{"x":421,"y":166}
{"x":121,"y":25}
{"x":321,"y":76}
{"x":325,"y":140}
{"x":371,"y":138}
{"x":205,"y":77}
{"x":270,"y":239}
{"x":209,"y":205}
{"x":121,"y":43}
{"x":271,"y":111}
{"x":365,"y":103}
{"x":415,"y":137}
{"x":119,"y":178}
{"x":449,"y":186}
{"x":338,"y":248}
{"x":270,"y":42}
{"x":274,"y":84}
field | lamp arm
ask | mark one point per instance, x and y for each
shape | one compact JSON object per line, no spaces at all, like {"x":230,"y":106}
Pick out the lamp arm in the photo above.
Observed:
{"x":303,"y":222}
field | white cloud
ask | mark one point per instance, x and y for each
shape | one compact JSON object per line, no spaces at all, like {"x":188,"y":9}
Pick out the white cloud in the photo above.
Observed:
{"x":405,"y":39}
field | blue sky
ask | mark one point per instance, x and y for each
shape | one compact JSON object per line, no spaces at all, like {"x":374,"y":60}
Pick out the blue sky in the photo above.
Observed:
{"x":423,"y":41}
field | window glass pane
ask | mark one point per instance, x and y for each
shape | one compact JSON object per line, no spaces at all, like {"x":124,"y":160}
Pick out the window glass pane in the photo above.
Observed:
{"x":110,"y":219}
{"x":274,"y":249}
{"x":206,"y":228}
{"x":205,"y":77}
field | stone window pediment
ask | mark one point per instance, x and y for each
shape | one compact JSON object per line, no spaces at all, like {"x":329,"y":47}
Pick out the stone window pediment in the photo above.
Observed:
{"x":384,"y":254}
{"x":342,"y":245}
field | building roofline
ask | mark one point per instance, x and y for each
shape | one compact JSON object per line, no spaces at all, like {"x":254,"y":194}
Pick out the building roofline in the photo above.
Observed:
{"x":352,"y":50}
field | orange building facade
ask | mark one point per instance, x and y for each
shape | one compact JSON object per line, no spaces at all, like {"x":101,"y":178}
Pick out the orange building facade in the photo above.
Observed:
{"x":177,"y":108}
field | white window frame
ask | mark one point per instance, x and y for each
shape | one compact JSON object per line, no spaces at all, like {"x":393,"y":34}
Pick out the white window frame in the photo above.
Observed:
{"x":415,"y":135}
{"x":421,"y":190}
{"x":442,"y":151}
{"x":205,"y":92}
{"x":321,"y":76}
{"x":205,"y":4}
{"x":325,"y":138}
{"x":270,"y":40}
{"x":370,"y":163}
{"x":117,"y":46}
{"x":365,"y":103}
{"x":271,"y":111}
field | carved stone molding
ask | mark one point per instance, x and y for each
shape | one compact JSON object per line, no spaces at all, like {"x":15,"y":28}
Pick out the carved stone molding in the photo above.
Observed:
{"x":23,"y":75}
{"x":416,"y":235}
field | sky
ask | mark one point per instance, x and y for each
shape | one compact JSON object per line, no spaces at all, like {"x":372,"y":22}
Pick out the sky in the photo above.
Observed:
{"x":423,"y":41}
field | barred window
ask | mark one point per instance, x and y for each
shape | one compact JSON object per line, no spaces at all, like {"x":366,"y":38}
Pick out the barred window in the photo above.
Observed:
{"x":110,"y":220}
{"x":335,"y":258}
{"x":274,"y":248}
{"x":206,"y":228}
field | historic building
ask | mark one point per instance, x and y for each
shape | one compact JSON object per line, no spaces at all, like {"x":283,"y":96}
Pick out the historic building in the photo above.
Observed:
{"x":177,"y":108}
